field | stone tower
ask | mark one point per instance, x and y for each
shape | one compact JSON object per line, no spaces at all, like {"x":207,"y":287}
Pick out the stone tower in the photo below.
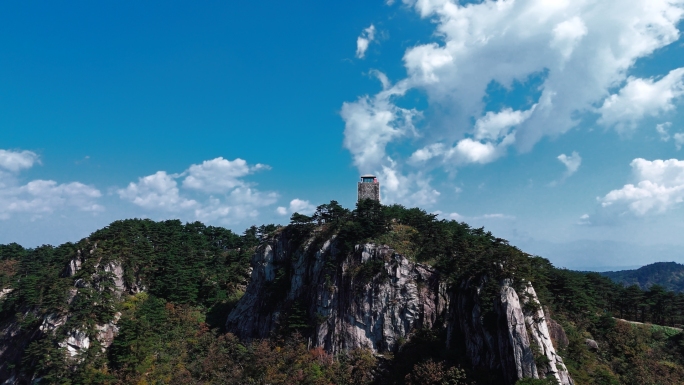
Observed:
{"x":369,"y":188}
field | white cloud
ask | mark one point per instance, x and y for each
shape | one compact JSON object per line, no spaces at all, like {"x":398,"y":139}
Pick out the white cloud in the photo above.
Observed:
{"x":158,"y":191}
{"x":211,"y":191}
{"x":412,"y":189}
{"x":640,"y":98}
{"x":16,"y":161}
{"x":679,"y":140}
{"x":585,"y":219}
{"x":662,"y":131}
{"x":364,"y":40}
{"x":297,"y":206}
{"x":371,"y":123}
{"x":567,"y":34}
{"x":658,"y":187}
{"x":462,"y":218}
{"x":473,"y":151}
{"x":39,"y":197}
{"x":572,"y":162}
{"x":219,"y":175}
{"x":301,"y":206}
{"x":578,"y":51}
{"x":494,"y":126}
{"x":678,"y":137}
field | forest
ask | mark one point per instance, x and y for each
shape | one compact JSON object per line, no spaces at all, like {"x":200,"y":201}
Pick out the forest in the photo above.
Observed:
{"x":669,"y":275}
{"x":189,"y":276}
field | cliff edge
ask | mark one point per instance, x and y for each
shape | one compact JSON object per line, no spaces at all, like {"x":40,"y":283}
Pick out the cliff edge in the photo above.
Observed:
{"x":373,"y":297}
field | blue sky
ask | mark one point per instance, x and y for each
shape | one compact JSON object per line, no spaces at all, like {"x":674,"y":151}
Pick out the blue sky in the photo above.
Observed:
{"x":554,"y":124}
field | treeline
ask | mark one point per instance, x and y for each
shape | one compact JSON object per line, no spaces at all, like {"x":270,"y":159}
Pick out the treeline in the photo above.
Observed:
{"x":581,"y":292}
{"x":185,"y":264}
{"x":669,"y":275}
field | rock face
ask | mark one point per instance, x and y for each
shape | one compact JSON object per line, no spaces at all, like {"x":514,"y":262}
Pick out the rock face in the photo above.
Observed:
{"x":591,"y":344}
{"x":371,"y":298}
{"x":374,"y":298}
{"x":510,"y":336}
{"x":552,"y":364}
{"x":87,"y":272}
{"x":557,"y":333}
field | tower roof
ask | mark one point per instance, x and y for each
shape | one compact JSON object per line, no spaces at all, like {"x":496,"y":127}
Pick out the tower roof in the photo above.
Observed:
{"x":368,"y":176}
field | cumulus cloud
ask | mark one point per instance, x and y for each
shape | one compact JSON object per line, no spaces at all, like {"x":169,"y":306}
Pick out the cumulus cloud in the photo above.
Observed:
{"x":211,"y":191}
{"x":494,"y":126}
{"x":658,"y":187}
{"x":373,"y":122}
{"x":297,"y":206}
{"x":578,"y":51}
{"x":158,"y":191}
{"x":571,"y":162}
{"x":640,"y":98}
{"x":364,"y":40}
{"x":219,"y":175}
{"x":412,"y":189}
{"x":16,"y":161}
{"x":39,"y":197}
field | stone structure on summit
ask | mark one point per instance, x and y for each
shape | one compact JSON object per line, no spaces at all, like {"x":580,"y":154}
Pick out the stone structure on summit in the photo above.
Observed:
{"x":368,"y":188}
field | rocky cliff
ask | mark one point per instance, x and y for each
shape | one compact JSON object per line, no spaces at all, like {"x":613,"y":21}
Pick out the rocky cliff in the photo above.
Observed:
{"x":372,"y":297}
{"x":95,"y":283}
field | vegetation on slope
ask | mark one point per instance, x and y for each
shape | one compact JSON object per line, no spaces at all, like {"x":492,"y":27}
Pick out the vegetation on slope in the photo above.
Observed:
{"x":669,"y":275}
{"x":192,"y":274}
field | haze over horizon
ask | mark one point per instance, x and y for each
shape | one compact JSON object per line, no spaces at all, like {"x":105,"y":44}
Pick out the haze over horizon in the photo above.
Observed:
{"x":557,"y":125}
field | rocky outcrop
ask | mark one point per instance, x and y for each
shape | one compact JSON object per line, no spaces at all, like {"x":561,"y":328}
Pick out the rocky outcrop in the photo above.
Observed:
{"x":551,"y":363}
{"x":371,"y":298}
{"x":374,"y":298}
{"x":509,"y":336}
{"x":87,"y":272}
{"x":591,"y":344}
{"x":557,"y":333}
{"x":514,"y":342}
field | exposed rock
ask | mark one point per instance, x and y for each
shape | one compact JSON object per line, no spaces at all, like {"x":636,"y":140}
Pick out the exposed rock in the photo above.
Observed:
{"x":373,"y":298}
{"x":557,"y":333}
{"x":5,"y":292}
{"x":116,"y":269}
{"x":497,"y":340}
{"x":370,"y":298}
{"x":77,"y":342}
{"x":107,"y":332}
{"x":591,"y":344}
{"x":74,"y":265}
{"x":51,"y":322}
{"x":92,"y":274}
{"x":522,"y":358}
{"x":541,"y":337}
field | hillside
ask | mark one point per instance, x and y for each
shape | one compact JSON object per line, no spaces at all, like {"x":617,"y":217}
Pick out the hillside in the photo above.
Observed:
{"x":669,"y":275}
{"x":378,"y":294}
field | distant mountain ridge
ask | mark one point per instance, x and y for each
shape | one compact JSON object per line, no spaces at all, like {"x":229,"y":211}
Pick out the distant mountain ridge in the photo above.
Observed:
{"x":670,"y":275}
